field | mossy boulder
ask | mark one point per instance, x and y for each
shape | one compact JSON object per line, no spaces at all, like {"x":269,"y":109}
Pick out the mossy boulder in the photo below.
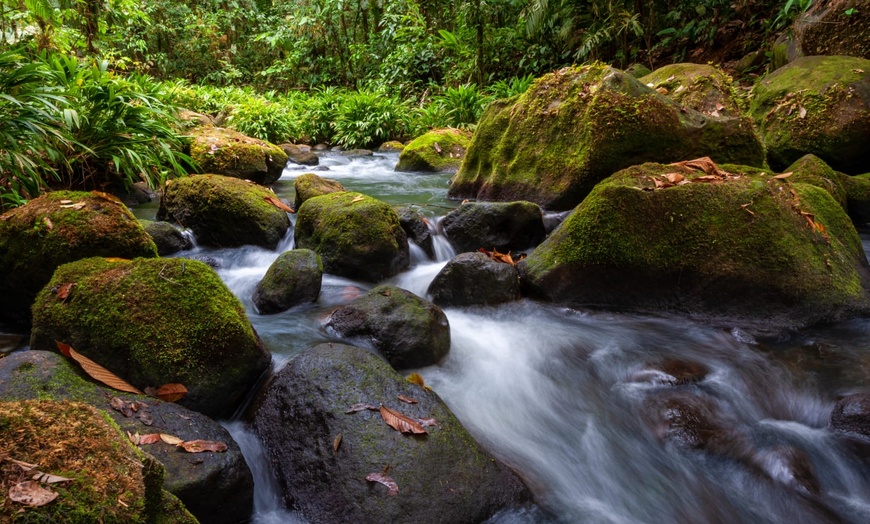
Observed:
{"x":826,"y":29}
{"x":437,"y":151}
{"x":701,"y":87}
{"x":818,"y":105}
{"x":310,"y":185}
{"x":442,"y":476}
{"x":747,"y":246}
{"x":858,"y":198}
{"x":224,"y":211}
{"x":227,"y":152}
{"x":504,"y":226}
{"x":416,"y":228}
{"x":851,"y":192}
{"x":111,"y":480}
{"x":168,"y":238}
{"x":579,"y":125}
{"x":393,"y":146}
{"x":57,"y":228}
{"x":357,"y":236}
{"x":293,"y":278}
{"x":407,"y":330}
{"x":154,"y":322}
{"x":301,"y":155}
{"x":637,"y":70}
{"x":472,"y":279}
{"x":216,"y":487}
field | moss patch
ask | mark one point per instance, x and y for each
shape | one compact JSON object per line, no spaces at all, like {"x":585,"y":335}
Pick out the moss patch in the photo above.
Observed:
{"x":310,"y":185}
{"x":701,"y":87}
{"x":436,"y":151}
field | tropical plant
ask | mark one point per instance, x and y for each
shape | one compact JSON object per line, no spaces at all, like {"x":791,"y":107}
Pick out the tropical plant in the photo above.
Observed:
{"x":368,"y":118}
{"x":462,"y":105}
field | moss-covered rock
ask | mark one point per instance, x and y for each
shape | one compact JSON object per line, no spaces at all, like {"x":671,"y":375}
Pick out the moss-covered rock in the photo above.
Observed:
{"x":575,"y":127}
{"x":858,"y":198}
{"x":818,"y":105}
{"x":357,"y":236}
{"x":168,"y":238}
{"x":504,"y":226}
{"x":407,"y":330}
{"x":112,"y":482}
{"x":436,"y":151}
{"x":810,"y":169}
{"x":472,"y":279}
{"x":826,"y":29}
{"x":293,"y":278}
{"x":637,"y":70}
{"x":227,"y":152}
{"x":224,"y":211}
{"x":701,"y":87}
{"x":57,"y":228}
{"x":216,"y":487}
{"x":154,"y":322}
{"x":321,"y":454}
{"x":750,"y":247}
{"x":416,"y":228}
{"x":393,"y":146}
{"x":310,"y":185}
{"x":300,"y":155}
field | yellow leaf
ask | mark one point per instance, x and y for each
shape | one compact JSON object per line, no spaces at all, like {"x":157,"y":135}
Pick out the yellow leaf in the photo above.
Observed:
{"x":172,"y":440}
{"x":357,"y":199}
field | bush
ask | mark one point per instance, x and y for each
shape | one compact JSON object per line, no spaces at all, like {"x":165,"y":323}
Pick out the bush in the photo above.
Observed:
{"x":369,"y":118}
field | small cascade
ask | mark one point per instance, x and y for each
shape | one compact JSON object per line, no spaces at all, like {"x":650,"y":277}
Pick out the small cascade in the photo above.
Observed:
{"x":444,"y":251}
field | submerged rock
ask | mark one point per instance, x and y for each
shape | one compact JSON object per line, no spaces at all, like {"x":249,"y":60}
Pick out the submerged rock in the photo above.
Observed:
{"x":472,"y":279}
{"x":436,"y":151}
{"x":852,"y":415}
{"x":322,"y":454}
{"x":746,"y":246}
{"x":224,"y":211}
{"x":293,"y":278}
{"x":227,"y":152}
{"x":504,"y":226}
{"x":168,"y":238}
{"x":406,"y":329}
{"x":154,"y":322}
{"x":579,"y":125}
{"x":310,"y":185}
{"x":56,"y":228}
{"x":357,"y":236}
{"x":818,"y":105}
{"x":701,"y":87}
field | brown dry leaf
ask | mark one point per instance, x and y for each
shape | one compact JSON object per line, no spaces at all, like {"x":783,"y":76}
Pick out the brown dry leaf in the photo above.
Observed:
{"x":171,"y":392}
{"x":385,"y":480}
{"x":505,"y":258}
{"x":106,"y":196}
{"x":719,"y":106}
{"x":65,"y":202}
{"x":362,"y":407}
{"x":172,"y":440}
{"x":47,"y":478}
{"x":336,"y":443}
{"x":198,"y":446}
{"x":707,"y":178}
{"x":97,"y":371}
{"x":30,"y":493}
{"x":783,"y":175}
{"x":704,"y":164}
{"x":407,"y":400}
{"x":278,"y":203}
{"x":69,"y":205}
{"x":674,"y":178}
{"x":658,"y":183}
{"x":745,"y":207}
{"x":26,"y":466}
{"x":715,"y":114}
{"x":662,"y":90}
{"x":63,"y":290}
{"x":386,"y":292}
{"x":357,"y":199}
{"x":802,"y":112}
{"x":151,"y":438}
{"x":400,"y":422}
{"x":134,"y":438}
{"x":427,"y":422}
{"x":121,"y":406}
{"x":47,"y":222}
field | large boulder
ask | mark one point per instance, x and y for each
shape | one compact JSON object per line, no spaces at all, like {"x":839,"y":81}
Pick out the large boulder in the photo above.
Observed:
{"x":168,"y":238}
{"x":113,"y":482}
{"x":851,"y":192}
{"x":310,"y":185}
{"x":436,"y":151}
{"x":154,"y":322}
{"x":472,"y":279}
{"x":293,"y":278}
{"x":224,"y":211}
{"x":818,"y":105}
{"x":357,"y":236}
{"x":57,"y":228}
{"x":835,"y":27}
{"x":701,"y":87}
{"x":227,"y":152}
{"x":215,"y":487}
{"x":406,"y":329}
{"x":503,"y":226}
{"x":301,"y":155}
{"x":322,"y":454}
{"x":579,"y":125}
{"x":736,"y":243}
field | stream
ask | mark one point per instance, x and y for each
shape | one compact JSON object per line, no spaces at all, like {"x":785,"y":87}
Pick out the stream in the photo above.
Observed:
{"x":568,"y":397}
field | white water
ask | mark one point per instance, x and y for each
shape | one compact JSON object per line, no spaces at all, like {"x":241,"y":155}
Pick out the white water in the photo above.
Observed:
{"x":565,"y":396}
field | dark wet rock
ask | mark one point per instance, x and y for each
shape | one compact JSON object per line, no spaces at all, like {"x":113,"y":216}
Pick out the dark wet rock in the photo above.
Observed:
{"x":293,"y":278}
{"x":504,"y":226}
{"x":300,"y":155}
{"x":357,"y":153}
{"x":474,"y":279}
{"x":227,"y":152}
{"x":154,"y":322}
{"x":692,"y":421}
{"x":215,"y":487}
{"x":168,"y":238}
{"x":852,"y":415}
{"x":672,"y":372}
{"x":355,"y":235}
{"x":407,"y":330}
{"x":437,"y":151}
{"x":56,"y":228}
{"x":138,"y":193}
{"x":224,"y":211}
{"x":310,"y":185}
{"x":443,"y":476}
{"x":210,"y":261}
{"x":825,"y":29}
{"x":416,"y":228}
{"x":789,"y":466}
{"x":701,"y":87}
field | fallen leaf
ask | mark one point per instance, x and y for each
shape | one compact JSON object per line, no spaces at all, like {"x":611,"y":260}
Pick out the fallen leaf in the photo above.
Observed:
{"x":783,"y":175}
{"x":498,"y":257}
{"x":427,"y":422}
{"x":121,"y":406}
{"x":172,"y":440}
{"x":859,"y":71}
{"x":97,"y":371}
{"x":357,"y":199}
{"x":336,"y":443}
{"x":63,"y":290}
{"x":679,"y":89}
{"x":278,"y":203}
{"x":65,"y":202}
{"x":662,"y":90}
{"x":171,"y":392}
{"x":802,"y":112}
{"x":714,"y":113}
{"x":437,"y":147}
{"x":745,"y":207}
{"x":719,"y":106}
{"x":106,"y":196}
{"x":30,"y":493}
{"x":386,"y":292}
{"x":400,"y":422}
{"x":145,"y":418}
{"x":408,"y":400}
{"x":362,"y":407}
{"x":674,"y":178}
{"x":670,"y":78}
{"x":116,"y":259}
{"x":416,"y":378}
{"x":47,"y":478}
{"x":47,"y":222}
{"x":198,"y":446}
{"x":77,"y":206}
{"x":134,"y":438}
{"x":150,"y":438}
{"x":385,"y":480}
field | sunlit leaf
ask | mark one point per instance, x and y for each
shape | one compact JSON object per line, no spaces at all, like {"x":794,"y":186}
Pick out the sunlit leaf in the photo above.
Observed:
{"x":97,"y":371}
{"x":416,"y":378}
{"x":198,"y":446}
{"x":172,"y":440}
{"x":30,"y":493}
{"x":401,"y":423}
{"x":357,"y":199}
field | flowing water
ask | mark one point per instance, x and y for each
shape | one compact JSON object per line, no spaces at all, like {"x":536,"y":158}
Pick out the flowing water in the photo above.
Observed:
{"x":577,"y":401}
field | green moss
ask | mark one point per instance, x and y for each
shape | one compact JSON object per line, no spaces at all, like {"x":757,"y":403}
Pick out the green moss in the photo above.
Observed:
{"x":310,"y":185}
{"x":226,"y":152}
{"x":702,"y":87}
{"x":435,"y":151}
